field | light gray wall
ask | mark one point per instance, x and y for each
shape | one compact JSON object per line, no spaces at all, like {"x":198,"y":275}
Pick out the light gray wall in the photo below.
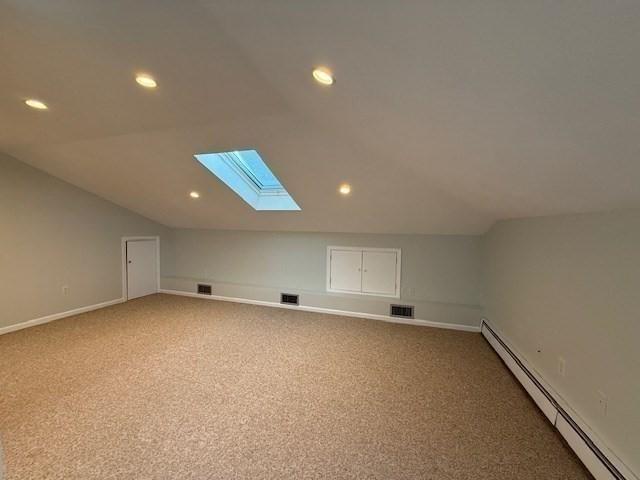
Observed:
{"x":440,"y":273}
{"x":570,"y":286}
{"x":54,"y":234}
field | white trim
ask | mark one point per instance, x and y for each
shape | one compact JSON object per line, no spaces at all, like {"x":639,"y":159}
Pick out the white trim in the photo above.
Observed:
{"x":58,"y":316}
{"x":330,"y":311}
{"x":398,"y":253}
{"x":123,"y":246}
{"x":580,"y":447}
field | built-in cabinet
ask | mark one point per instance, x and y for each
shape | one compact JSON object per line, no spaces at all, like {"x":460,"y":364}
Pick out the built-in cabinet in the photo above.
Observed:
{"x":364,"y":271}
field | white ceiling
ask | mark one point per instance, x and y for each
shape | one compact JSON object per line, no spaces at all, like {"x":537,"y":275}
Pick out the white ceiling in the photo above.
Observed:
{"x":445,"y":116}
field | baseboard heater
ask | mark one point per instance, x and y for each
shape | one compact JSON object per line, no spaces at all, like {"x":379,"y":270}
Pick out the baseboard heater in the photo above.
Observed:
{"x":593,"y":458}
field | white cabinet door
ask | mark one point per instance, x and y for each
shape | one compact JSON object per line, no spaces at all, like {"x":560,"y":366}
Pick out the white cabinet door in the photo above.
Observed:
{"x":346,"y":270}
{"x":379,"y":272}
{"x":142,"y":265}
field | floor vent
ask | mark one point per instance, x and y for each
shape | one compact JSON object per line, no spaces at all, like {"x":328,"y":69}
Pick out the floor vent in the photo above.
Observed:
{"x":404,"y":311}
{"x":289,"y":299}
{"x":204,"y":289}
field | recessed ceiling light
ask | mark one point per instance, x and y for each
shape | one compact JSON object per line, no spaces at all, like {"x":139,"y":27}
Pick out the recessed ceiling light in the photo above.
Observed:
{"x":194,"y":195}
{"x":146,"y":81}
{"x":33,"y":103}
{"x":323,"y":75}
{"x":345,"y":189}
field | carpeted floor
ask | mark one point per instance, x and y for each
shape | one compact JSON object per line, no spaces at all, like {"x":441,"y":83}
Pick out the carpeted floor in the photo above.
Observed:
{"x":168,"y":387}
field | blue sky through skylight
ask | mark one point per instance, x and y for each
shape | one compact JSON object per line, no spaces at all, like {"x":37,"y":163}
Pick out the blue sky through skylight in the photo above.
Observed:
{"x":251,"y":159}
{"x":246,"y":174}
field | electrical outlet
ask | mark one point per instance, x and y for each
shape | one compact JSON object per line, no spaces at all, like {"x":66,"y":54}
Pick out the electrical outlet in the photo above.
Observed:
{"x":562,"y":367}
{"x":602,"y":403}
{"x":65,"y":289}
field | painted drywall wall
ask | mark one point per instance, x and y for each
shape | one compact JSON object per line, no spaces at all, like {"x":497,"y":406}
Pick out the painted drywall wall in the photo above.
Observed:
{"x":440,"y":273}
{"x":569,"y":286}
{"x":54,"y":234}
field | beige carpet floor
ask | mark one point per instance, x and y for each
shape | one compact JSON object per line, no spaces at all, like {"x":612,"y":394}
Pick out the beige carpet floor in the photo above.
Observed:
{"x":168,"y":387}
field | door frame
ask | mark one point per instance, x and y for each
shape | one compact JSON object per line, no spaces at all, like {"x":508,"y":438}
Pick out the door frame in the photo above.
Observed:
{"x":123,"y":245}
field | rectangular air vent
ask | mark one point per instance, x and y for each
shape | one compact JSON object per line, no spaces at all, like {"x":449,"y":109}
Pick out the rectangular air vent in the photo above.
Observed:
{"x":404,"y":311}
{"x":204,"y":289}
{"x":289,"y":299}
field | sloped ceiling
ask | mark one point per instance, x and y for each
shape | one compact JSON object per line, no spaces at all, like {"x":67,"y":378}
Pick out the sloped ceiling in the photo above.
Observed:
{"x":445,"y":116}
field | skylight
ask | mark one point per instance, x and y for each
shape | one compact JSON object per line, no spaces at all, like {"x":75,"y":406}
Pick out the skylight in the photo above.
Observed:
{"x":245,"y":173}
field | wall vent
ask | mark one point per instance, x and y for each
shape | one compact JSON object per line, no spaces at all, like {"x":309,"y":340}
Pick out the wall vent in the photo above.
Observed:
{"x":204,"y":289}
{"x":404,"y":311}
{"x":289,"y":299}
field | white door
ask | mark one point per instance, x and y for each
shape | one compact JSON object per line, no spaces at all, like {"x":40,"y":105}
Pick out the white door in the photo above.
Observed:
{"x":345,"y":271}
{"x":379,"y":272}
{"x":142,"y":265}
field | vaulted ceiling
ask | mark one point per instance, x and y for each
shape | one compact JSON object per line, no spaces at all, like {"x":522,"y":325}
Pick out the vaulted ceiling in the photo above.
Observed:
{"x":445,"y":116}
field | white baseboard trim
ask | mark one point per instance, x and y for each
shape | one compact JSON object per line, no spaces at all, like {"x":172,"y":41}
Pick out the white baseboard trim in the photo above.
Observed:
{"x":58,"y":316}
{"x":599,"y":459}
{"x":330,"y":311}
